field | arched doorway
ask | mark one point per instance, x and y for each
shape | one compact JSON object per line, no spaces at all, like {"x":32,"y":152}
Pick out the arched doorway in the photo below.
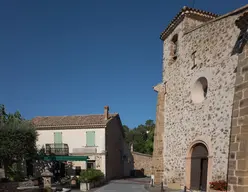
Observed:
{"x":199,"y":167}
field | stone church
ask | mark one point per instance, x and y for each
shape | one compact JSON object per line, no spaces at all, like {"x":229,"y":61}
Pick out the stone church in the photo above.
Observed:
{"x":201,"y":130}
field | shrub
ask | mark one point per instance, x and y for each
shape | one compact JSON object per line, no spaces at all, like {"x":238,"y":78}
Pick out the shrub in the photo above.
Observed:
{"x":218,"y":185}
{"x":90,"y":175}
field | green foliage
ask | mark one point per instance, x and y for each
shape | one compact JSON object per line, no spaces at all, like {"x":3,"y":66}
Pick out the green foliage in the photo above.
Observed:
{"x":15,"y":173}
{"x":17,"y":138}
{"x":142,"y":137}
{"x":91,"y":175}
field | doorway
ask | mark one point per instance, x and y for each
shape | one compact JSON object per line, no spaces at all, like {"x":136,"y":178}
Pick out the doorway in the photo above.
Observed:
{"x":199,"y":167}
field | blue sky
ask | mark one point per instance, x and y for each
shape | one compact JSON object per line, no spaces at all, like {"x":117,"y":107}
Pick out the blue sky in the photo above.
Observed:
{"x":73,"y":57}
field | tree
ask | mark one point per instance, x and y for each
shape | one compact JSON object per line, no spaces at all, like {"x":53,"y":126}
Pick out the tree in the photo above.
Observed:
{"x":141,"y":137}
{"x":17,"y":138}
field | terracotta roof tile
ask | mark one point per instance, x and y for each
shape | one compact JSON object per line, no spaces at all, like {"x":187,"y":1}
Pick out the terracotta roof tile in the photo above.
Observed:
{"x":186,"y":11}
{"x":80,"y":120}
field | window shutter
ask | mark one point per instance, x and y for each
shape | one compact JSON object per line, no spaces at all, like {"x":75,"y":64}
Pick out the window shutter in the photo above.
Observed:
{"x":90,"y":138}
{"x":58,"y":137}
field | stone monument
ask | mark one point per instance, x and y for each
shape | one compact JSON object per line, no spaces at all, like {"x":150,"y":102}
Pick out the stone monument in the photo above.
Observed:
{"x":47,"y":176}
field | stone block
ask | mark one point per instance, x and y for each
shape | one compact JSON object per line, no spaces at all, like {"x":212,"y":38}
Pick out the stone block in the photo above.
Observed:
{"x":243,"y":103}
{"x":242,"y":164}
{"x":243,"y":120}
{"x":235,"y":130}
{"x":238,"y":96}
{"x":240,"y":188}
{"x":245,"y":94}
{"x":235,"y":105}
{"x":235,"y":113}
{"x":244,"y":129}
{"x":232,"y":164}
{"x":234,"y":122}
{"x":243,"y":111}
{"x":241,"y":173}
{"x":234,"y":147}
{"x":240,"y":155}
{"x":243,"y":180}
{"x":241,"y":87}
{"x":232,"y":180}
{"x":239,"y":80}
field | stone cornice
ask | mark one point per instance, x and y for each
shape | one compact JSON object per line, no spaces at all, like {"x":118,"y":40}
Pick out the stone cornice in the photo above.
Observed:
{"x":161,"y":87}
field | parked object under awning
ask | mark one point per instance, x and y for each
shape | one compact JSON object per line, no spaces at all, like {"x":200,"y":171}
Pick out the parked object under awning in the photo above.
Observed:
{"x":65,"y":158}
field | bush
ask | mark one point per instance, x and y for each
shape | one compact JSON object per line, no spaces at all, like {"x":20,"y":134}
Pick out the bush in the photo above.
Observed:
{"x":218,"y":185}
{"x":90,"y":175}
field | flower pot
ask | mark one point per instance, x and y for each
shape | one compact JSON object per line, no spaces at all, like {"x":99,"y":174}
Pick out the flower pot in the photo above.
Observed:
{"x":86,"y":186}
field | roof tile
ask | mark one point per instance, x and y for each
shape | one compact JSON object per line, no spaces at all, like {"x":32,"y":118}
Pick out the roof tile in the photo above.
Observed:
{"x":81,"y":120}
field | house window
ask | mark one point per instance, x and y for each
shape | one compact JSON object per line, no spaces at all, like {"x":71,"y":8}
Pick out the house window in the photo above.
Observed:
{"x":174,"y":47}
{"x":90,"y":138}
{"x":90,"y":164}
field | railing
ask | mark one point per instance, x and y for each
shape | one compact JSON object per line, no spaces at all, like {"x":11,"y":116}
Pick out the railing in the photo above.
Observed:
{"x":85,"y":150}
{"x":57,"y":149}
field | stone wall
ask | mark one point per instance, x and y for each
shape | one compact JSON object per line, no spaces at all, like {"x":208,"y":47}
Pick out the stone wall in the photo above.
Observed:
{"x":238,"y":158}
{"x":209,"y":121}
{"x":157,"y":157}
{"x":142,"y":161}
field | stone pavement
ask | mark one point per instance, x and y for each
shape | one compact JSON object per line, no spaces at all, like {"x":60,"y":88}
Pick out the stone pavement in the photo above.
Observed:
{"x":124,"y":185}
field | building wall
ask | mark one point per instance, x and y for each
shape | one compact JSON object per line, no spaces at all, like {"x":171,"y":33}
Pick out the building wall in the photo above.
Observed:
{"x":114,"y":147}
{"x":75,"y":138}
{"x":185,"y":121}
{"x":142,"y":161}
{"x":128,"y":161}
{"x":157,"y":157}
{"x":238,"y":164}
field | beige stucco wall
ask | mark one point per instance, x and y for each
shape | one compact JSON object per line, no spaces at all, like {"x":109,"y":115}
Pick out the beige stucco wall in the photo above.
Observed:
{"x":186,"y":121}
{"x":75,"y":138}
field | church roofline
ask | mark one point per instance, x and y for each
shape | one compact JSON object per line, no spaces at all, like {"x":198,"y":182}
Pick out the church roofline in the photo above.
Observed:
{"x":186,"y":11}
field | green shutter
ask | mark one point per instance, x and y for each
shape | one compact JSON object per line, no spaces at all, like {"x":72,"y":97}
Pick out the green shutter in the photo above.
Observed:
{"x":90,"y":138}
{"x":58,"y":139}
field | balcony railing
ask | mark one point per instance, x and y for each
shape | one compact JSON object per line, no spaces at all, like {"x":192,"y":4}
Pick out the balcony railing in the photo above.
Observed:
{"x":57,"y":149}
{"x":85,"y":150}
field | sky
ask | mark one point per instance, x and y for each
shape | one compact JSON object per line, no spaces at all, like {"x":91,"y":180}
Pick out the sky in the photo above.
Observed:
{"x":74,"y":57}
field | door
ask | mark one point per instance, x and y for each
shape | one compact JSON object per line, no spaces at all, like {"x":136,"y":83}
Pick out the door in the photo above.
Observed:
{"x":204,"y":173}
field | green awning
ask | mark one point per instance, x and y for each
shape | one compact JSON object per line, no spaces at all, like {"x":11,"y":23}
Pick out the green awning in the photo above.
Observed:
{"x":66,"y":158}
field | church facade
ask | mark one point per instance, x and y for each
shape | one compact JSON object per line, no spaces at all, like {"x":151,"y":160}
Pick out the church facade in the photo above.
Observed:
{"x":201,"y":130}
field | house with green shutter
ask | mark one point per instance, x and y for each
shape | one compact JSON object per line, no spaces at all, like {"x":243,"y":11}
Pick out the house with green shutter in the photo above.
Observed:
{"x":99,"y":138}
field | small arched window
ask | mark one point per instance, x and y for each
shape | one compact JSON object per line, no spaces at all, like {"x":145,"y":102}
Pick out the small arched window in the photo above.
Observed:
{"x":174,"y":46}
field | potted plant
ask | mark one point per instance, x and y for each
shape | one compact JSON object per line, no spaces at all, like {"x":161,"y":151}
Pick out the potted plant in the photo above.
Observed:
{"x":97,"y":177}
{"x":218,"y":186}
{"x":90,"y":178}
{"x":86,"y":178}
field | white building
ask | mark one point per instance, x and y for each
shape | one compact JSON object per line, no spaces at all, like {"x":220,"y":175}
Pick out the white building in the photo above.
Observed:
{"x":73,"y":138}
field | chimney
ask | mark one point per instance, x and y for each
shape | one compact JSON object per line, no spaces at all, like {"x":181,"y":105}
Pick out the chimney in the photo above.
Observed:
{"x":106,"y":112}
